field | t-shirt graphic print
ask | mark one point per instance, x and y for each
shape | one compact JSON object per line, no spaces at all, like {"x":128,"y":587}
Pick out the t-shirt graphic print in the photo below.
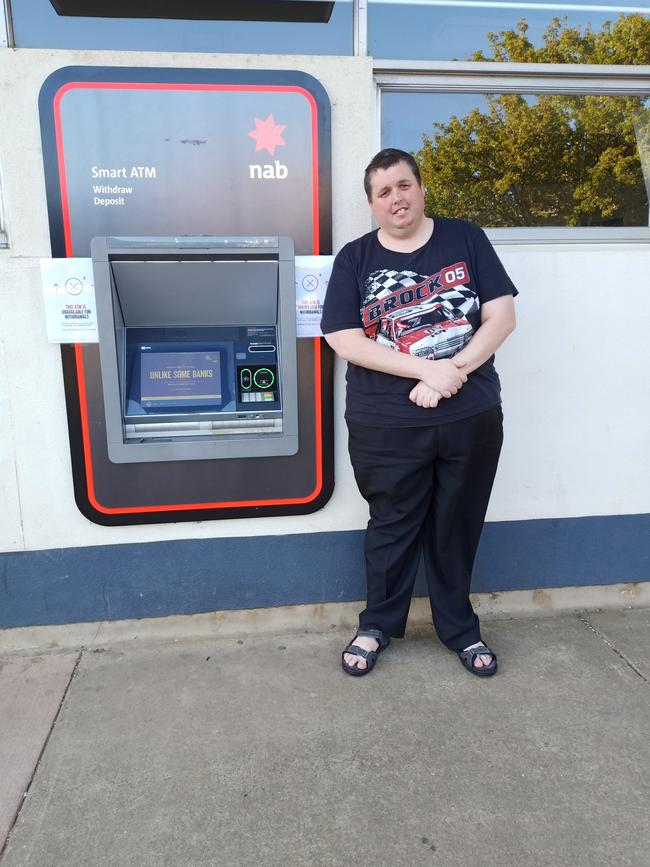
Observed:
{"x":425,"y":316}
{"x":426,"y":303}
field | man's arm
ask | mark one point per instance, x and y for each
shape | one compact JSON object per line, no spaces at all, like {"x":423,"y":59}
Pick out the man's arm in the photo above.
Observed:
{"x":445,"y":376}
{"x":341,"y":312}
{"x":497,"y":322}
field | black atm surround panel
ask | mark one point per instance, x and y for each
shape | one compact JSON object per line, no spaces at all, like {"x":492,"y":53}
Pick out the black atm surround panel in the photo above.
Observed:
{"x":139,"y":493}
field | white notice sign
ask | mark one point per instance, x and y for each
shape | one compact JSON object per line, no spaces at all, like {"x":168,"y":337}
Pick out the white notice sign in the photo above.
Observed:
{"x":71,"y":316}
{"x":312,"y":277}
{"x":69,"y":296}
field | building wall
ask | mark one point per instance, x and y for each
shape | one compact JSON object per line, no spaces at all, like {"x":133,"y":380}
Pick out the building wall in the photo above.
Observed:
{"x":571,"y":497}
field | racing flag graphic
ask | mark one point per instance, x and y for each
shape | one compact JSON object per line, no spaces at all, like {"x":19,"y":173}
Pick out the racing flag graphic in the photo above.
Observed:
{"x":421,"y":316}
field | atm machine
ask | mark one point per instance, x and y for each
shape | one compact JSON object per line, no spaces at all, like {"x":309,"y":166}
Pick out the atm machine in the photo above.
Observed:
{"x":197,"y":341}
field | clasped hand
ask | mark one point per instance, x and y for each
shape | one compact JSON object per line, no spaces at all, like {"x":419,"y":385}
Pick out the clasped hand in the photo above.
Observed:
{"x":441,"y":379}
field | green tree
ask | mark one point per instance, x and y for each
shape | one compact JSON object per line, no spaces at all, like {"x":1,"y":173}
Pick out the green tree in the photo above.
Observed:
{"x":550,"y":159}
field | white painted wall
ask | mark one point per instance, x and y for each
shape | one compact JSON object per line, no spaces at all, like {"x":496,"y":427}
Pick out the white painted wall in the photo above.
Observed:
{"x":574,"y":373}
{"x":576,"y":383}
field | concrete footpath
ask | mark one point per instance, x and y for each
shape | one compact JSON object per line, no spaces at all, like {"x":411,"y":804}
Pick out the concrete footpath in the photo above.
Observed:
{"x":262,"y":752}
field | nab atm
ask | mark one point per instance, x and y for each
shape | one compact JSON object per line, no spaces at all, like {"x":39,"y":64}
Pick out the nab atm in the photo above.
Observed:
{"x":197,"y":341}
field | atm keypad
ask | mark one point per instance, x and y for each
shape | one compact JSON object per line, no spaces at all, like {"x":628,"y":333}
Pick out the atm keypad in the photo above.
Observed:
{"x":257,"y":383}
{"x":257,"y":396}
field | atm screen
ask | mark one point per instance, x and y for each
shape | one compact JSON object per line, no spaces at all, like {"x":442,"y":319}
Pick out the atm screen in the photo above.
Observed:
{"x":177,"y":377}
{"x":180,"y":379}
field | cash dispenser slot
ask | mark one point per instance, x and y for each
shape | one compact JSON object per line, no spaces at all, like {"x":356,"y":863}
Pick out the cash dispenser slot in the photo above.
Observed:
{"x":197,"y":347}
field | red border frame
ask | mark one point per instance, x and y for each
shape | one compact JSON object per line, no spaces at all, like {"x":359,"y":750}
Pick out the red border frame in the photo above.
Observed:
{"x":81,"y":380}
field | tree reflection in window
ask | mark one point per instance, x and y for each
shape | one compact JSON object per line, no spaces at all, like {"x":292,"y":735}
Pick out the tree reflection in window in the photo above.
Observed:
{"x":548,"y":159}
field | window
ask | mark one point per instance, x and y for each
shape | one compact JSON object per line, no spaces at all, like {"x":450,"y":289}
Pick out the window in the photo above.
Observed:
{"x":525,"y":159}
{"x":518,"y":31}
{"x":510,"y":148}
{"x":37,"y":25}
{"x":522,"y":129}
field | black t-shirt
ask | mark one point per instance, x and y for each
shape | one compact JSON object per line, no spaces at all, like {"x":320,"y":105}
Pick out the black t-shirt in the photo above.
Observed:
{"x":426,"y":303}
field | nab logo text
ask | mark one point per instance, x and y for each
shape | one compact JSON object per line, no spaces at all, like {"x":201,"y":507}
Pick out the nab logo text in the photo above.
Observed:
{"x":269,"y":171}
{"x":268,"y":136}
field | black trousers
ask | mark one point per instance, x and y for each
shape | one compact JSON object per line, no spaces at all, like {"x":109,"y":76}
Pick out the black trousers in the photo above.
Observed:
{"x":428,"y":490}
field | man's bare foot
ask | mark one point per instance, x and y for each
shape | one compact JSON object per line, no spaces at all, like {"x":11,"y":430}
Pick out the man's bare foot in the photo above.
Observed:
{"x":367,"y":643}
{"x":483,"y":659}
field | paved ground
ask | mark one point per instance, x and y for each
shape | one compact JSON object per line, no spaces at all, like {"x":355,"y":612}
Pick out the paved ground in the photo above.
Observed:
{"x":262,"y":752}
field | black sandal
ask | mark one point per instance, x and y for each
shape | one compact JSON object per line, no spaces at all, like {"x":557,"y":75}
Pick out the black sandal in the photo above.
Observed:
{"x":467,"y":658}
{"x":369,"y":655}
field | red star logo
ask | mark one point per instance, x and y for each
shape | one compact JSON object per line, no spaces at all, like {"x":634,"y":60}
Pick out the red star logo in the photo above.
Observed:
{"x":267,"y":134}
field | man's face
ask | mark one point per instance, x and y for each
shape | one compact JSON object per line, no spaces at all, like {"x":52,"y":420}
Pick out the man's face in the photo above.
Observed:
{"x":397,"y":200}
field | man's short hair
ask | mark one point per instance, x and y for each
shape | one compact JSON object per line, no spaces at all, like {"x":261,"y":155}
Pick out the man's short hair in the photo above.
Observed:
{"x":384,"y":160}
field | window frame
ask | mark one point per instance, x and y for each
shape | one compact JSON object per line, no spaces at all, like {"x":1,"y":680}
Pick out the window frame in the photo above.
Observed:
{"x":4,"y":237}
{"x":6,"y":31}
{"x":450,"y":76}
{"x":6,"y":41}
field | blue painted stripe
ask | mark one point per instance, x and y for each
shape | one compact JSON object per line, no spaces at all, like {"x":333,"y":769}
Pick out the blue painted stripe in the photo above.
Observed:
{"x":154,"y":579}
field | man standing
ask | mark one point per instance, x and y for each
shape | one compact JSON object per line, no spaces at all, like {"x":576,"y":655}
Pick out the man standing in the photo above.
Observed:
{"x":418,"y":309}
